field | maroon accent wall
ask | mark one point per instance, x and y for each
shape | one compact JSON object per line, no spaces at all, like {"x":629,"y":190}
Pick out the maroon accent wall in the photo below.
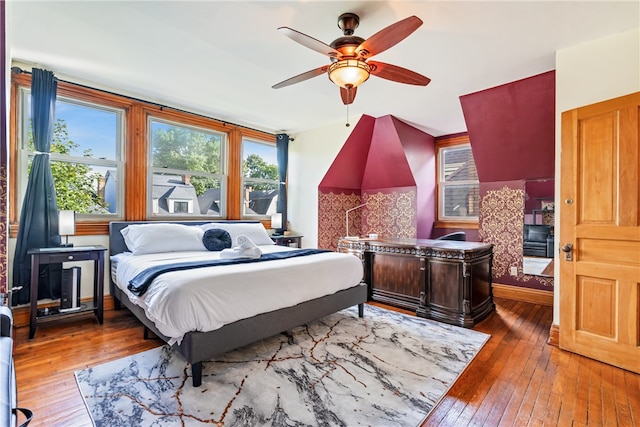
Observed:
{"x":387,"y":153}
{"x":348,"y":167}
{"x":403,"y":156}
{"x":512,"y":129}
{"x":387,"y":149}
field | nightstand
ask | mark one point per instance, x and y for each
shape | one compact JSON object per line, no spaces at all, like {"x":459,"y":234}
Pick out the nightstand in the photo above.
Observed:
{"x":291,"y":239}
{"x":59,"y":255}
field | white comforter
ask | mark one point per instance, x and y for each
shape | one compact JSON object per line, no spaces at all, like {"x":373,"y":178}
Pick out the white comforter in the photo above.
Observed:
{"x":205,"y":299}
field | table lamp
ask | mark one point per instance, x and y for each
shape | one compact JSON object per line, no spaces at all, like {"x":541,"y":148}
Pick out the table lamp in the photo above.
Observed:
{"x":276,"y":224}
{"x":67,"y":226}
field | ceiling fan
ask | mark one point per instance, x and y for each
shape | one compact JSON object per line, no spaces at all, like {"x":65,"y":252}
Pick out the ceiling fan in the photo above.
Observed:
{"x":349,"y":56}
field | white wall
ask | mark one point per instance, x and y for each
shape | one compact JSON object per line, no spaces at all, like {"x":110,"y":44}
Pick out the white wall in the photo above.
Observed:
{"x":310,"y":156}
{"x":585,"y":74}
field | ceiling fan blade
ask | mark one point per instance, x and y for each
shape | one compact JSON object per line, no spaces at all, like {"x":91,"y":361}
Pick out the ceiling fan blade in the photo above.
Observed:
{"x":387,"y":37}
{"x":348,"y":95}
{"x":302,"y":77}
{"x":310,"y":42}
{"x":397,"y":74}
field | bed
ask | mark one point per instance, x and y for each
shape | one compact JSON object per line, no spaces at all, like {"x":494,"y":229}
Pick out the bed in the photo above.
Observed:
{"x":198,"y":344}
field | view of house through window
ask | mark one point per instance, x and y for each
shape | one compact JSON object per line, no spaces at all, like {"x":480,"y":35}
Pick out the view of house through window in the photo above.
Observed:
{"x":259,"y":178}
{"x":458,"y":184}
{"x":85,"y":155}
{"x":187,"y":173}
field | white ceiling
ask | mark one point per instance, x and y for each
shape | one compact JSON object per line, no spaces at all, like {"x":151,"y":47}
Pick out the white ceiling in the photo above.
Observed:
{"x":221,"y":58}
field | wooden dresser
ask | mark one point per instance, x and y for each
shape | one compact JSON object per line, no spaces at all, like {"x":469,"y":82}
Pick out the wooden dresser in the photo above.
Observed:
{"x":443,"y":280}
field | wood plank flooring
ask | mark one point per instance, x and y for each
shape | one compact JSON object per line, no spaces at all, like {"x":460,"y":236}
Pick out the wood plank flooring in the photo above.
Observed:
{"x":515,"y":380}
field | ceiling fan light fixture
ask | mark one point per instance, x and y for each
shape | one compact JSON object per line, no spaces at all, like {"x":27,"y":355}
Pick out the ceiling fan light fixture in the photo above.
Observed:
{"x":349,"y":72}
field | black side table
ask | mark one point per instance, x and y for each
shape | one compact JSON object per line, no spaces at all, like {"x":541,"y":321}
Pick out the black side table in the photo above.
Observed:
{"x":59,"y":255}
{"x":283,"y":240}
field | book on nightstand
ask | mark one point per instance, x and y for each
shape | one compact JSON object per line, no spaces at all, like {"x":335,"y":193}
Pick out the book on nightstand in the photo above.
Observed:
{"x":70,"y":291}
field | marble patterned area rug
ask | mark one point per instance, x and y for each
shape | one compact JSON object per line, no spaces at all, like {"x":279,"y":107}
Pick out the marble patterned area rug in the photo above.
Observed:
{"x":386,"y":369}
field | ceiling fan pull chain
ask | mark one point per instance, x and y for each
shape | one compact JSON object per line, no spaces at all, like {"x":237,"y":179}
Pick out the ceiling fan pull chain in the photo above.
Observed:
{"x":347,"y":125}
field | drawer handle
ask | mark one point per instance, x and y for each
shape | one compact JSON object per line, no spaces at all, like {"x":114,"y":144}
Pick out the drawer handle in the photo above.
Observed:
{"x":70,"y":257}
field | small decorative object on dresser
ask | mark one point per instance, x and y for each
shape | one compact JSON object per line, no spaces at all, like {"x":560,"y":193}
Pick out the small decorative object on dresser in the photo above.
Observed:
{"x":444,"y":280}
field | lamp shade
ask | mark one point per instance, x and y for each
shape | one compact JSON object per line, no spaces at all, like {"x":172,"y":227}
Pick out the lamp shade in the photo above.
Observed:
{"x":276,"y":221}
{"x":349,"y":72}
{"x":67,"y":223}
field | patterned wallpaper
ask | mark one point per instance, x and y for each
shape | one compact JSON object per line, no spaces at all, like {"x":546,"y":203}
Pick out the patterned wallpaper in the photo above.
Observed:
{"x":389,"y":212}
{"x":4,"y":232}
{"x":502,"y":223}
{"x":332,"y":219}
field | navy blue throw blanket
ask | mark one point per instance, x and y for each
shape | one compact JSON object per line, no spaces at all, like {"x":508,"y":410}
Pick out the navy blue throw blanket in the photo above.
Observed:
{"x":139,"y":284}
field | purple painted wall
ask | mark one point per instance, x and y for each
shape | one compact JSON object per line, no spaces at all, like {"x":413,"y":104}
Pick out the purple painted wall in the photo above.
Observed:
{"x":347,"y":169}
{"x":512,"y":129}
{"x":387,"y":153}
{"x":403,"y":156}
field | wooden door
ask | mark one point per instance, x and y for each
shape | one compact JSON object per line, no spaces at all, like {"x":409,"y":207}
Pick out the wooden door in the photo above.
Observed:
{"x":599,"y":287}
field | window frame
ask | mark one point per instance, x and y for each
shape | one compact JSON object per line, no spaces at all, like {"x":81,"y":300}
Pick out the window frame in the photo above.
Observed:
{"x":25,"y":155}
{"x":442,"y":144}
{"x":222,"y":176}
{"x":134,"y":151}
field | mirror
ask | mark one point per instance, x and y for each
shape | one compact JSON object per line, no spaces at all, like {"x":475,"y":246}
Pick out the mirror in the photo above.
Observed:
{"x":538,"y":233}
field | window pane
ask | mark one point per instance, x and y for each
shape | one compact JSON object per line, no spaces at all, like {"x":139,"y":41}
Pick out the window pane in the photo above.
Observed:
{"x":183,"y":148}
{"x":461,"y":200}
{"x":88,"y":131}
{"x":458,"y":165}
{"x":259,"y":160}
{"x":259,"y":198}
{"x":185,"y":195}
{"x":84,"y":188}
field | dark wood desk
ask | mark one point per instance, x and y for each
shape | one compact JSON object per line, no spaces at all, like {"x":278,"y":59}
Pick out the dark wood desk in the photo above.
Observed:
{"x":443,"y":280}
{"x":59,"y":255}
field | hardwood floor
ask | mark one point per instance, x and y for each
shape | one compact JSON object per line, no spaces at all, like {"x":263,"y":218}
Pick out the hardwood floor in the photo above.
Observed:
{"x":515,"y":380}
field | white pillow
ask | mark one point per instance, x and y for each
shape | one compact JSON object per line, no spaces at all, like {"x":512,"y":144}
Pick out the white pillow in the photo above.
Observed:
{"x":253,"y":230}
{"x":162,"y":237}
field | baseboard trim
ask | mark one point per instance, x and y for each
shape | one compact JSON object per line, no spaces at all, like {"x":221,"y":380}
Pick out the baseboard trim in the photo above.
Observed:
{"x":554,"y":335}
{"x":21,"y":315}
{"x":517,"y":293}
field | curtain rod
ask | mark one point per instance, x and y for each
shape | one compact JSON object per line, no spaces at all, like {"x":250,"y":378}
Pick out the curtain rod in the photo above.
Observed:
{"x":18,"y":70}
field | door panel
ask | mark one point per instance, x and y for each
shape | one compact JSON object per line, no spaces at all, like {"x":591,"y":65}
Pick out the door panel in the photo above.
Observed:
{"x":600,"y":285}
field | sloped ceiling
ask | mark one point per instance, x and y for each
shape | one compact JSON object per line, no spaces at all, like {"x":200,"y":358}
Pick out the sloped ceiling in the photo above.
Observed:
{"x":512,"y":129}
{"x":381,"y":153}
{"x":347,"y":170}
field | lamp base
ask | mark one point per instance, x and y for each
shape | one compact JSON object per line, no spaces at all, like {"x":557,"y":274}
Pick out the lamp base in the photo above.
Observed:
{"x":66,"y":245}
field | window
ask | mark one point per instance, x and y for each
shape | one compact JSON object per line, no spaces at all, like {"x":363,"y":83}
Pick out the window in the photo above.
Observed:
{"x":458,"y":185}
{"x":85,"y":156}
{"x":259,"y":178}
{"x":186,"y":170}
{"x":108,"y":146}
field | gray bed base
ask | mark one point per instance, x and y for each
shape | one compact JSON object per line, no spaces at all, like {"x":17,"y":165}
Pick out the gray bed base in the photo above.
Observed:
{"x":197,"y":347}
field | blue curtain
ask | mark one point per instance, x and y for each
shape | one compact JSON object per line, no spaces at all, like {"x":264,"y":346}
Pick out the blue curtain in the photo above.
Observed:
{"x":282,"y":147}
{"x":39,"y":216}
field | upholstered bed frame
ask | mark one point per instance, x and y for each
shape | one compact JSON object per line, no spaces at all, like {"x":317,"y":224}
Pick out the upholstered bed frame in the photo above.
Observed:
{"x":197,"y":347}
